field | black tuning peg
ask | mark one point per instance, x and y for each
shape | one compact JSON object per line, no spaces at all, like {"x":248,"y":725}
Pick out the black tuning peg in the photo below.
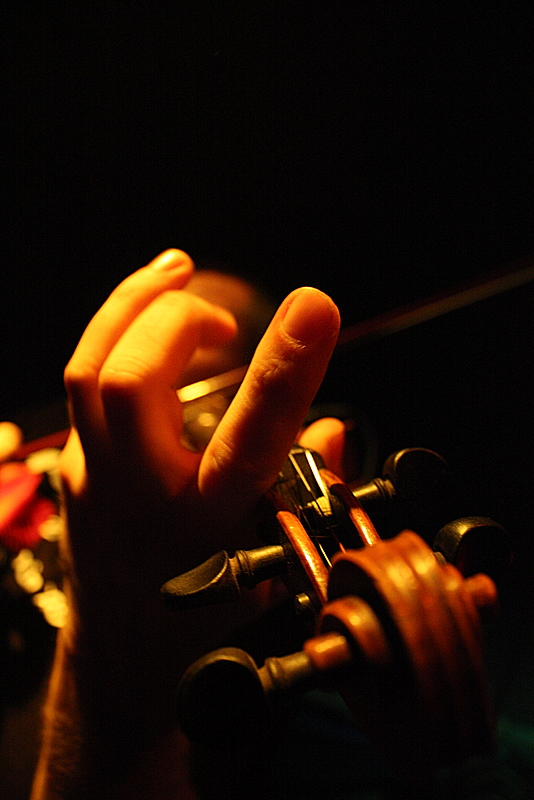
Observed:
{"x":415,"y":477}
{"x":224,"y":699}
{"x":220,"y":578}
{"x":221,"y":701}
{"x":476,"y":544}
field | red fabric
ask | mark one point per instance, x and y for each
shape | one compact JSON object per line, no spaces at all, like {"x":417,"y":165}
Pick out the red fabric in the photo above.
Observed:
{"x":22,"y":509}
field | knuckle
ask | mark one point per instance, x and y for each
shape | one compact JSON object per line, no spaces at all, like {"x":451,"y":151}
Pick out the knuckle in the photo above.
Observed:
{"x":123,"y":382}
{"x":71,"y":376}
{"x":229,"y":463}
{"x":76,"y":377}
{"x":178,"y":301}
{"x":273,"y":379}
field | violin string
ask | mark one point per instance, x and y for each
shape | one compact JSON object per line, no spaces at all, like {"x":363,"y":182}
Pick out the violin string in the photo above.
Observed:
{"x":315,"y":500}
{"x":317,"y":475}
{"x":305,"y":482}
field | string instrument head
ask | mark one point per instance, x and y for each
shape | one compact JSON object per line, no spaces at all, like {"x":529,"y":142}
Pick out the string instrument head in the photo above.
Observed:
{"x":397,"y":622}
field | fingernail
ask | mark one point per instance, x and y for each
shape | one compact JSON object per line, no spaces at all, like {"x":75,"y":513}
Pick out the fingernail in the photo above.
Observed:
{"x":170,"y":259}
{"x":310,"y":315}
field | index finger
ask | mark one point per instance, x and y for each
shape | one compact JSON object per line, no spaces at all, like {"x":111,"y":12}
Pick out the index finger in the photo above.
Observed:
{"x":251,"y":442}
{"x":170,"y":270}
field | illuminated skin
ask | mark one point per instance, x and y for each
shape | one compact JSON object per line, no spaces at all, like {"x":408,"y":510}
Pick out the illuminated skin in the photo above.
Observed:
{"x":140,"y":508}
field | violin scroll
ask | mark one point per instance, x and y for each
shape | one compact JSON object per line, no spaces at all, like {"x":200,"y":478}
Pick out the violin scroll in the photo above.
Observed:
{"x":406,"y":639}
{"x":398,"y":626}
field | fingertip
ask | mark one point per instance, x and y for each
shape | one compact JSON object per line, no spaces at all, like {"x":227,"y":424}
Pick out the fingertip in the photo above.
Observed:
{"x":310,"y":315}
{"x":327,"y":437}
{"x":172,"y":259}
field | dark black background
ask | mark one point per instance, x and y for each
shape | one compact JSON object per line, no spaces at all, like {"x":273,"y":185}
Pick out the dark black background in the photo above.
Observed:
{"x":380,"y":151}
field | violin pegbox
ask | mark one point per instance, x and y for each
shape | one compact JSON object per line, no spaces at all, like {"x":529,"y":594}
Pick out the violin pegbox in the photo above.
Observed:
{"x":398,"y":627}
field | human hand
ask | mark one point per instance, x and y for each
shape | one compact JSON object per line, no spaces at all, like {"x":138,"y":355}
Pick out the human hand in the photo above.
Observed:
{"x":140,"y":507}
{"x":125,"y":450}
